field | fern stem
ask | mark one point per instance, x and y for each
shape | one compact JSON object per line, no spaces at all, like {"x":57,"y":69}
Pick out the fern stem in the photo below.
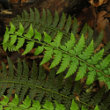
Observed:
{"x":45,"y":89}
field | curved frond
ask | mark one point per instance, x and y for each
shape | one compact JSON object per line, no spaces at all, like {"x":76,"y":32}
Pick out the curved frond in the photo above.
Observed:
{"x":32,"y":81}
{"x":73,"y":56}
{"x":25,"y":79}
{"x":45,"y":22}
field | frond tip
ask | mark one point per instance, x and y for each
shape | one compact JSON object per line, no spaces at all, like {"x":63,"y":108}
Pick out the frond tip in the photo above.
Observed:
{"x":72,"y":55}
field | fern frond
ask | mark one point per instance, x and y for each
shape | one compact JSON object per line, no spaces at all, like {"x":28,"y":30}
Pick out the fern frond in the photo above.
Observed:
{"x":49,"y":16}
{"x":57,"y":40}
{"x":20,"y":43}
{"x":55,"y":19}
{"x":47,"y":38}
{"x":29,"y":104}
{"x":99,"y":39}
{"x":75,"y":26}
{"x":37,"y":35}
{"x":62,"y":21}
{"x":45,"y":22}
{"x":12,"y":28}
{"x":32,"y":81}
{"x":97,"y":57}
{"x":73,"y":67}
{"x":57,"y":58}
{"x":91,"y":77}
{"x":84,"y":29}
{"x":29,"y":47}
{"x":86,"y":61}
{"x":107,"y":46}
{"x":39,"y":50}
{"x":64,"y":64}
{"x":105,"y":63}
{"x":70,"y":43}
{"x":80,"y":45}
{"x":48,"y":55}
{"x":30,"y":32}
{"x":82,"y":71}
{"x":74,"y":106}
{"x":105,"y":104}
{"x":90,"y":35}
{"x":21,"y":30}
{"x":6,"y":36}
{"x":87,"y":52}
{"x":68,"y":24}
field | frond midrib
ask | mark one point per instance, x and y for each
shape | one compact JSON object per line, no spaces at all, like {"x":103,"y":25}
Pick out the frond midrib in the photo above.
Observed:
{"x":65,"y":52}
{"x":33,"y":86}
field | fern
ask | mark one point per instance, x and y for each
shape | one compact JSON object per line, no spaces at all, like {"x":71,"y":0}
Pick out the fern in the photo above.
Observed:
{"x":52,"y":24}
{"x":32,"y":81}
{"x":105,"y":104}
{"x":74,"y":56}
{"x":29,"y":104}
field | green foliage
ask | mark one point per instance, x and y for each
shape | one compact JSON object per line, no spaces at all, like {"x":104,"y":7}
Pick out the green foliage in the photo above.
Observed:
{"x":32,"y":81}
{"x":101,"y":98}
{"x":45,"y":22}
{"x":73,"y":55}
{"x":23,"y":80}
{"x":55,"y":37}
{"x":29,"y":104}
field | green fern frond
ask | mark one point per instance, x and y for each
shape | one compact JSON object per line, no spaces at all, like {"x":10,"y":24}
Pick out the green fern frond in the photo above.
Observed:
{"x":45,"y":22}
{"x":91,"y":77}
{"x":57,"y":58}
{"x":30,"y":32}
{"x":22,"y":79}
{"x":29,"y":104}
{"x":64,"y":64}
{"x":32,"y":81}
{"x":73,"y":67}
{"x":29,"y":47}
{"x":87,"y":63}
{"x":79,"y":46}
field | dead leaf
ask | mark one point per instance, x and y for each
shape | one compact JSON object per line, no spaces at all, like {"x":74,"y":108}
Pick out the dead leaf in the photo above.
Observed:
{"x":107,"y":34}
{"x":88,"y":15}
{"x":14,"y":1}
{"x":107,"y":15}
{"x":46,"y":66}
{"x":97,"y":3}
{"x":6,"y":12}
{"x":99,"y":47}
{"x":101,"y":21}
{"x":54,"y":5}
{"x":108,"y":6}
{"x":101,"y":84}
{"x":103,"y":24}
{"x":77,"y":98}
